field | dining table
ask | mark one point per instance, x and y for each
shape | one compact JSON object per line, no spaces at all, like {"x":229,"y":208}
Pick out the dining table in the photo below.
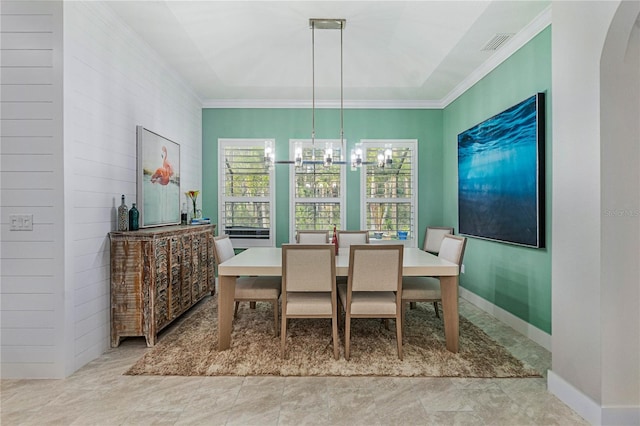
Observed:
{"x":267,"y":261}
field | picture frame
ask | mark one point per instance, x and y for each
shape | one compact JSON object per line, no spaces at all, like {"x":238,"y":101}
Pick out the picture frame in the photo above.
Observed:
{"x":158,"y":179}
{"x":501,"y":176}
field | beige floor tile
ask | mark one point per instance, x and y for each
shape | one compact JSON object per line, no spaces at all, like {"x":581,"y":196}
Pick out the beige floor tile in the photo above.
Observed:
{"x":99,"y":394}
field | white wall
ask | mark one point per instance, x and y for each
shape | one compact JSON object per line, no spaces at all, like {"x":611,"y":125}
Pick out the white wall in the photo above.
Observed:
{"x":620,"y":162}
{"x":112,"y":82}
{"x":55,"y":280}
{"x":32,"y":305}
{"x":596,"y":328}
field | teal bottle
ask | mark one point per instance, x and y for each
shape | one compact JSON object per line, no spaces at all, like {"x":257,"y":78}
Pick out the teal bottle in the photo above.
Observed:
{"x":134,"y":216}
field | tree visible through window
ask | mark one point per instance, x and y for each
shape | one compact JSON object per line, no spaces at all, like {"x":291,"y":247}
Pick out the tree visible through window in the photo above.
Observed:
{"x":246,"y":192}
{"x":389,"y":192}
{"x":317,"y":191}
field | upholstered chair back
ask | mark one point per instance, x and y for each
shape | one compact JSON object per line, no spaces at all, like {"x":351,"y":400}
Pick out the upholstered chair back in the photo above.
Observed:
{"x":452,"y":248}
{"x":312,"y":237}
{"x":376,"y":267}
{"x":223,"y":248}
{"x":308,"y":268}
{"x":433,"y":238}
{"x":348,"y":238}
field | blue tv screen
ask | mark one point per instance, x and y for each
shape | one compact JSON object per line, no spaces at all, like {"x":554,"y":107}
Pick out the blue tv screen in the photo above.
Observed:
{"x":501,"y":176}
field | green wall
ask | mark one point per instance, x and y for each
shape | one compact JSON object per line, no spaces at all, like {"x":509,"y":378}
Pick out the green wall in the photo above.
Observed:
{"x":517,"y":279}
{"x":285,"y":124}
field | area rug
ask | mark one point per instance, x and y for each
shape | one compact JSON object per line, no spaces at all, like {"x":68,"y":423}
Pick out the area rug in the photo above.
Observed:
{"x":190,"y":348}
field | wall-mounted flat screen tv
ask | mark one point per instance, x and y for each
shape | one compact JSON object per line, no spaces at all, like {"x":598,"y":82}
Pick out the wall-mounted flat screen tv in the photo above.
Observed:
{"x":501,"y":176}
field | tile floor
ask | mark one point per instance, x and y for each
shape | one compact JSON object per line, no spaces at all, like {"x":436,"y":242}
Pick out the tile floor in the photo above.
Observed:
{"x":98,"y":394}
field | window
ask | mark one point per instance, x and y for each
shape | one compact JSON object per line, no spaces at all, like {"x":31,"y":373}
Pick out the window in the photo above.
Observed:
{"x":246,"y":193}
{"x":317,"y":191}
{"x":389,"y":193}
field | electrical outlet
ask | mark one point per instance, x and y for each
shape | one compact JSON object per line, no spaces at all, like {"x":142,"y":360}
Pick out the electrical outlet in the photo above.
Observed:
{"x":462,"y":268}
{"x":21,"y":222}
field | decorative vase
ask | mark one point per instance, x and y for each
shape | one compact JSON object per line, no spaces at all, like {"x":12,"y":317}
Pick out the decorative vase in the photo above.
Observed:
{"x":193,"y":195}
{"x":195,"y":209}
{"x":134,"y":216}
{"x":123,"y":216}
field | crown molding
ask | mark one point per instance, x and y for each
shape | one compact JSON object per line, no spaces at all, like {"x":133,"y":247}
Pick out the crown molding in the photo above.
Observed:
{"x":542,"y":21}
{"x":294,"y":103}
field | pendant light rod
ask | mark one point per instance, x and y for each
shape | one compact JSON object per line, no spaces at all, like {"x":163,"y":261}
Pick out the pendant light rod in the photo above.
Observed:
{"x":326,"y":24}
{"x":341,"y":93}
{"x":313,"y":82}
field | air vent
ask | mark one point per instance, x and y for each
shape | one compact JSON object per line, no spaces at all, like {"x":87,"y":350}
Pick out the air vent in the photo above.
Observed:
{"x":497,"y":41}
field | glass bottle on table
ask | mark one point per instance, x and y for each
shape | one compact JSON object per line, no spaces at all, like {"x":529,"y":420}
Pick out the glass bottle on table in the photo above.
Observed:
{"x":184,"y":214}
{"x":335,"y":239}
{"x":134,"y":216}
{"x":123,"y":216}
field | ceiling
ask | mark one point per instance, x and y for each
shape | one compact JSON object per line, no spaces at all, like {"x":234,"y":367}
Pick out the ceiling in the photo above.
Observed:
{"x":249,"y":53}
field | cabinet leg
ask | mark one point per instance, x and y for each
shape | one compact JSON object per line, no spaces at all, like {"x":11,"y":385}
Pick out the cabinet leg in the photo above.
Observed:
{"x":115,"y":341}
{"x":151,"y":341}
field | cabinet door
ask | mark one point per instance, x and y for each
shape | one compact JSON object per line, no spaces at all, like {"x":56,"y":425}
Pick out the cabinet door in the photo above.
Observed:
{"x":196,"y":273}
{"x":161,"y":302}
{"x":185,"y":282}
{"x":211,"y":272}
{"x":175,"y":277}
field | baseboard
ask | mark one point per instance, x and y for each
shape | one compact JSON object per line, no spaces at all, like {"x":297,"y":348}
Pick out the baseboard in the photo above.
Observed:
{"x":621,"y":415}
{"x":521,"y":326}
{"x":590,"y":410}
{"x":576,"y":400}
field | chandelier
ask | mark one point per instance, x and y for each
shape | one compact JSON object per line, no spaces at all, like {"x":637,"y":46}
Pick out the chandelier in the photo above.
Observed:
{"x":357,"y":159}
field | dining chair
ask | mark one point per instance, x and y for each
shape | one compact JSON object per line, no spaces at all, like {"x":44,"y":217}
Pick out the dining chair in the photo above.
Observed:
{"x":249,"y":289}
{"x":312,"y":237}
{"x":374,"y":288}
{"x":427,"y":289}
{"x":433,"y":236}
{"x":308,"y":287}
{"x":347,"y":238}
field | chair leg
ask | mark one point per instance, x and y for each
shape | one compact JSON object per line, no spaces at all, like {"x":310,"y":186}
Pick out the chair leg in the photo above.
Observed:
{"x":347,"y":336}
{"x":435,"y":307}
{"x":334,"y":326}
{"x":283,"y":335}
{"x":385,"y":321}
{"x":252,"y":305}
{"x":235,"y":312}
{"x":275,"y":317}
{"x":403,"y":308}
{"x":399,"y":336}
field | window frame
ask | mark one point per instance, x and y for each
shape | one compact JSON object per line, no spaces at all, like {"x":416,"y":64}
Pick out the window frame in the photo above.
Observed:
{"x":412,"y":144}
{"x":223,"y":198}
{"x":306,"y":143}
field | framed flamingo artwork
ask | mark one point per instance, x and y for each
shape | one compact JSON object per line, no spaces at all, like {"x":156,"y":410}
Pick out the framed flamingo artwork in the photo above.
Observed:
{"x":158,"y":179}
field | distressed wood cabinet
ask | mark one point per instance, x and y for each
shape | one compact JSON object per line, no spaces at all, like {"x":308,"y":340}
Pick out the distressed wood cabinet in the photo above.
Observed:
{"x":156,"y":275}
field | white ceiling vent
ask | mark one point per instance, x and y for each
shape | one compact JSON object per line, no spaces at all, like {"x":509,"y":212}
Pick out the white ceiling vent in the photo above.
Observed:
{"x":497,"y":41}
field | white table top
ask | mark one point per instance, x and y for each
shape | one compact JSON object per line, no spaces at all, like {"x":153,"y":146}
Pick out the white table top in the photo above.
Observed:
{"x":268,"y":261}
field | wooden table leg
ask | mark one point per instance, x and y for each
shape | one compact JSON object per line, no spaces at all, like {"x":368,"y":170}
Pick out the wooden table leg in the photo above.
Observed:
{"x":226,"y":297}
{"x":449,"y":292}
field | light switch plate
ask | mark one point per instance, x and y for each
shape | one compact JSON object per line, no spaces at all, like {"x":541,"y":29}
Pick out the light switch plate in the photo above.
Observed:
{"x":21,"y":222}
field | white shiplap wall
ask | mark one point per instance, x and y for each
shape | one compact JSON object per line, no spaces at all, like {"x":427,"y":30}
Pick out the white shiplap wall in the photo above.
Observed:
{"x":33,"y":312}
{"x":112,"y":82}
{"x":70,"y":172}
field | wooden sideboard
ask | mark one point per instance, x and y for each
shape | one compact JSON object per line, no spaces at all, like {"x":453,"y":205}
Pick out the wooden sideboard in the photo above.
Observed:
{"x":156,"y":275}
